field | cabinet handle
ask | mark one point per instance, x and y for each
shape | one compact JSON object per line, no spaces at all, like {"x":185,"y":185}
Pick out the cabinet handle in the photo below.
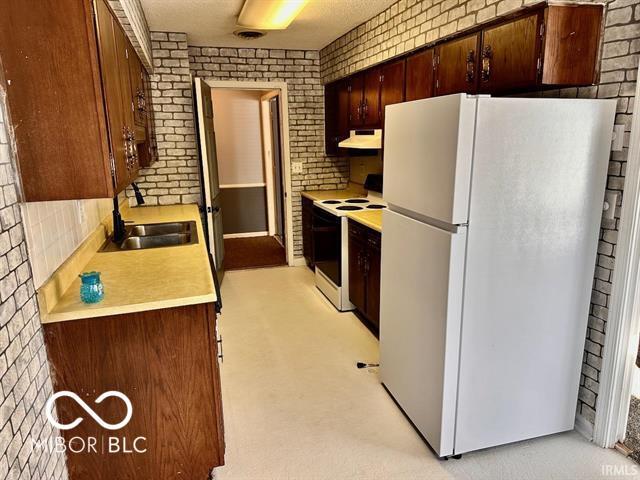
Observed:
{"x":487,"y":54}
{"x":366,"y":265}
{"x":366,"y":108}
{"x":141,"y":101}
{"x":221,"y":352}
{"x":471,"y":66}
{"x":131,"y":155}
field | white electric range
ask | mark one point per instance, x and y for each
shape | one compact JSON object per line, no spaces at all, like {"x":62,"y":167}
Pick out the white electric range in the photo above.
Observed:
{"x":331,"y":244}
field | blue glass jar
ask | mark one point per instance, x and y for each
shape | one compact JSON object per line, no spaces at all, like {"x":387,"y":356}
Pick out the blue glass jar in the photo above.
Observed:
{"x":91,"y":288}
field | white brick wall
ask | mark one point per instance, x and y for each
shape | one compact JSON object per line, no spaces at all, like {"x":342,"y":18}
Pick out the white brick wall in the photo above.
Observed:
{"x":174,"y":178}
{"x":409,"y":24}
{"x":25,"y":383}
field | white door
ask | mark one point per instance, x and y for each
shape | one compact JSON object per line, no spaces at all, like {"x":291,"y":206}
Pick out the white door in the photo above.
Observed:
{"x":420,"y":315}
{"x":210,"y":183}
{"x":428,"y":147}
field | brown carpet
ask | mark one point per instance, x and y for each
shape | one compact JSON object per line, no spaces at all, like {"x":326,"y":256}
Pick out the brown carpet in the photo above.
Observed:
{"x":252,"y":252}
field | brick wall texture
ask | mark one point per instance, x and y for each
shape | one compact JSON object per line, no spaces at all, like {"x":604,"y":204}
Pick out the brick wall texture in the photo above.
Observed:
{"x":175,"y":177}
{"x":25,"y":384}
{"x":409,"y":24}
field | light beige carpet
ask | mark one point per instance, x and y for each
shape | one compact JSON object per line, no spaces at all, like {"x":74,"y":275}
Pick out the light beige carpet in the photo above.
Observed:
{"x":296,"y":407}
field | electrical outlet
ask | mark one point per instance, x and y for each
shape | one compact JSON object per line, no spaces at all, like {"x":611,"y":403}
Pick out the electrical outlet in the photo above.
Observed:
{"x":618,"y":138}
{"x":296,"y":167}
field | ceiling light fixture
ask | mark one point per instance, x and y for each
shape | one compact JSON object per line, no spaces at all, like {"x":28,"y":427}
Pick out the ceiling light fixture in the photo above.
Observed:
{"x":270,"y":14}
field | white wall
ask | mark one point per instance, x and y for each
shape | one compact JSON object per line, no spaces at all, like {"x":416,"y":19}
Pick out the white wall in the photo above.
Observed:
{"x":54,"y":230}
{"x":236,"y":116}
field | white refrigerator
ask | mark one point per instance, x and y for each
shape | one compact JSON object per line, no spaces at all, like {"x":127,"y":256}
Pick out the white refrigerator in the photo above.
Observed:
{"x":488,"y":255}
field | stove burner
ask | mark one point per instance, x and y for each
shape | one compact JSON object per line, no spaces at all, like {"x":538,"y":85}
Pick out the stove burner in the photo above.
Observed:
{"x":376,"y":206}
{"x":331,"y":202}
{"x":357,"y":200}
{"x":348,"y":207}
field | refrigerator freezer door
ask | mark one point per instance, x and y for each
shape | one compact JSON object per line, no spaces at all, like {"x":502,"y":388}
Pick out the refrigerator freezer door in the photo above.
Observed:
{"x":421,"y":300}
{"x":536,"y":205}
{"x":427,"y":156}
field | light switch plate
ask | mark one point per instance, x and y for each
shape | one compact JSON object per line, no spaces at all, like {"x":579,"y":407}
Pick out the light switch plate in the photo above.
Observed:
{"x":296,"y":167}
{"x":618,"y":138}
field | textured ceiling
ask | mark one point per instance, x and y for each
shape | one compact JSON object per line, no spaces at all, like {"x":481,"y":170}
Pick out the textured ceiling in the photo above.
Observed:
{"x":211,"y":22}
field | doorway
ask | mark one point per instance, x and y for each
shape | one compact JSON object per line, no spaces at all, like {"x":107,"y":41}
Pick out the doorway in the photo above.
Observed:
{"x":251,"y":152}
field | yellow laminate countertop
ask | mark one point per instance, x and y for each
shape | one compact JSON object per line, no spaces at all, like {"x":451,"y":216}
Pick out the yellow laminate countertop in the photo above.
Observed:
{"x":141,"y":280}
{"x":368,"y":218}
{"x":332,"y":194}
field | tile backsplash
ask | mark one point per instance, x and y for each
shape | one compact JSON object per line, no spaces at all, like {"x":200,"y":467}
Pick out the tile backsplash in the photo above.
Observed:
{"x":54,"y":230}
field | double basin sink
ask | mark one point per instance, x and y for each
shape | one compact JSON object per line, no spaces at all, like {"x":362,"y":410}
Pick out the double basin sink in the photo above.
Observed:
{"x":155,"y":235}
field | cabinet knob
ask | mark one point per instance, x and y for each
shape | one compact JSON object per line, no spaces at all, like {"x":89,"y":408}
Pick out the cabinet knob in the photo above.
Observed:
{"x":471,"y":56}
{"x":487,"y":54}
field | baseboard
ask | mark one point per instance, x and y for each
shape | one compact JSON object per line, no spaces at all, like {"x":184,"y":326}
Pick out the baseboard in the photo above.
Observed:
{"x":246,"y":235}
{"x":298,"y":262}
{"x":584,"y":427}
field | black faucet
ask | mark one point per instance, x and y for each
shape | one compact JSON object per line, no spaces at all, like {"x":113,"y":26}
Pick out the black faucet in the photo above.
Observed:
{"x":139,"y":197}
{"x":119,"y":230}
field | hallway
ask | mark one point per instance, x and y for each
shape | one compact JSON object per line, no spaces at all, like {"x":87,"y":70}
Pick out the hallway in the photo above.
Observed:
{"x":296,"y":407}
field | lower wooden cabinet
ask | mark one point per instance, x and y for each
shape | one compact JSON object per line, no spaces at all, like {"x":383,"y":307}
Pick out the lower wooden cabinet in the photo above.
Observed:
{"x":307,"y":231}
{"x":166,"y":363}
{"x":364,"y":271}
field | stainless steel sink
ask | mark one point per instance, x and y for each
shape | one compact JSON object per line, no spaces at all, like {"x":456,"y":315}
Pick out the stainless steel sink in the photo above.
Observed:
{"x":155,"y":235}
{"x":160,"y":229}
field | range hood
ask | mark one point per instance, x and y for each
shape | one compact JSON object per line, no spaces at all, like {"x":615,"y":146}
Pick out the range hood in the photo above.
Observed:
{"x":363,"y":139}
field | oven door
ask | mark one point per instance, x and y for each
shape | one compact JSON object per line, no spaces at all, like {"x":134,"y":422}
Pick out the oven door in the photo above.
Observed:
{"x":327,"y":246}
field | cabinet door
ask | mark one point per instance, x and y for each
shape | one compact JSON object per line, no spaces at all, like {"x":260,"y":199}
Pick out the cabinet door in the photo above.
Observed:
{"x":373,"y":278}
{"x":371,"y":99}
{"x":343,"y":109}
{"x":357,"y":259}
{"x":419,"y":76}
{"x":148,"y":151}
{"x":456,"y":65}
{"x":137,"y":88}
{"x":392,"y":87}
{"x":509,"y":55}
{"x":571,"y":40}
{"x":331,"y":113}
{"x":123,"y":50}
{"x":356,"y":95}
{"x":307,"y":231}
{"x":109,"y":66}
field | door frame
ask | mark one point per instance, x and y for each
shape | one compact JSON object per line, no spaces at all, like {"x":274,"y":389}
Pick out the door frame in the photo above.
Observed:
{"x":623,"y":324}
{"x":286,"y":154}
{"x":267,"y":152}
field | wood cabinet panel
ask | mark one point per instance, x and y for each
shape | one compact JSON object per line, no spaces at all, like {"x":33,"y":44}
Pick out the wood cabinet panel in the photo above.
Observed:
{"x":343,"y":109}
{"x":54,"y":96}
{"x":331,"y":114}
{"x":419,"y":76}
{"x":509,"y":55}
{"x":392,"y":85}
{"x":165,"y":362}
{"x":307,"y":232}
{"x":356,"y":95}
{"x":364,"y":271}
{"x":456,"y":69}
{"x":357,"y":279}
{"x":572,"y":37}
{"x":371,"y":99}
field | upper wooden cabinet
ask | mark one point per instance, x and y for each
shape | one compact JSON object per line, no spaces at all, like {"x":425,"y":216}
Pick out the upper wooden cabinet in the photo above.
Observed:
{"x":419,"y":75}
{"x":392,"y":85}
{"x":509,"y":54}
{"x":540,"y":46}
{"x":69,"y":93}
{"x":336,"y":111}
{"x":456,"y":65}
{"x":571,"y":43}
{"x":371,"y":99}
